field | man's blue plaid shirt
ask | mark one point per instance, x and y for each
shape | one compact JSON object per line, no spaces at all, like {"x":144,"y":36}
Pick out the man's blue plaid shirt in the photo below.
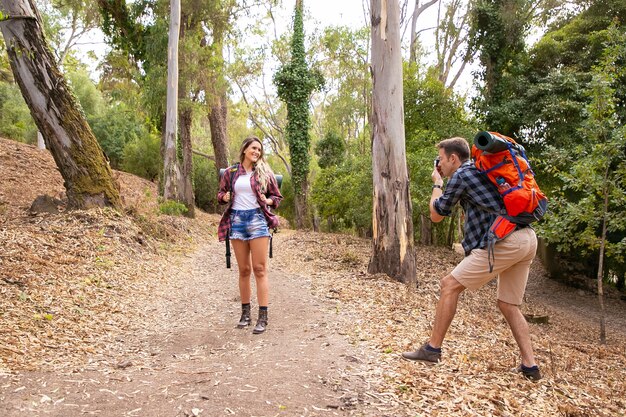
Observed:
{"x":480,"y":201}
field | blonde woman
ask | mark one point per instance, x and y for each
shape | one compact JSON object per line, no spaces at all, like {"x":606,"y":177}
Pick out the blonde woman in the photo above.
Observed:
{"x":248,"y":221}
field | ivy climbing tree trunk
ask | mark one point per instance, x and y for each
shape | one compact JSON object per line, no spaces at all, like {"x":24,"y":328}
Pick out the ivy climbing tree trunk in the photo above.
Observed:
{"x":393,"y":248}
{"x":87,"y":176}
{"x":295,"y":82}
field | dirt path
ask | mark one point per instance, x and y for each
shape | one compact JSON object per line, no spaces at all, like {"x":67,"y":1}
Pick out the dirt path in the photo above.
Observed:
{"x":191,"y":360}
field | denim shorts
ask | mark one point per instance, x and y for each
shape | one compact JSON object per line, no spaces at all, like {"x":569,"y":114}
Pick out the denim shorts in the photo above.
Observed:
{"x":248,"y":224}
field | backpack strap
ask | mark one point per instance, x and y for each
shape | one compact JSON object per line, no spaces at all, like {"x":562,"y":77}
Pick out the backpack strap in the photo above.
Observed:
{"x":271,"y":239}
{"x":232,"y":169}
{"x":500,"y":229}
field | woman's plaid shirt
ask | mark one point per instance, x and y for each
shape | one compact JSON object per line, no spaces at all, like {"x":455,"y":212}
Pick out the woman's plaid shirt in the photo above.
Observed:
{"x":480,"y":201}
{"x":272,"y":192}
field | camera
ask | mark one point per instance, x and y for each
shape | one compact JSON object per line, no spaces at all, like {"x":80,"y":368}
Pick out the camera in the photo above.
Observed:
{"x":436,"y":162}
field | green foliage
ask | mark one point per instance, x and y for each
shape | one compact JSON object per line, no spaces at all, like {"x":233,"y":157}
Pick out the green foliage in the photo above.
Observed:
{"x":343,"y":195}
{"x":498,"y":29}
{"x":287,"y":206}
{"x":142,"y":156}
{"x":6,"y":74}
{"x":172,"y":208}
{"x":330,"y":150}
{"x":594,"y":170}
{"x":116,"y":128}
{"x":89,"y":97}
{"x":432,"y":113}
{"x":205,"y":184}
{"x":15,"y":120}
{"x":295,"y":82}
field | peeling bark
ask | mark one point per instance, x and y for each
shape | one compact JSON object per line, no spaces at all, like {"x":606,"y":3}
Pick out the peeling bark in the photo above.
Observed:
{"x":393,"y":247}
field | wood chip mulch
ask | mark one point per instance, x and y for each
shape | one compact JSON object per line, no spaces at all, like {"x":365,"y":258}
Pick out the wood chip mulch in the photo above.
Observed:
{"x":70,"y":282}
{"x":581,"y":377}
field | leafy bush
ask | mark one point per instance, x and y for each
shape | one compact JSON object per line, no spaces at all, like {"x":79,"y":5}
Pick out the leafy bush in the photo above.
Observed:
{"x":15,"y":120}
{"x":205,"y":184}
{"x":330,"y":150}
{"x":115,"y":128}
{"x":142,"y":156}
{"x":172,"y":208}
{"x":343,"y":196}
{"x":432,"y":113}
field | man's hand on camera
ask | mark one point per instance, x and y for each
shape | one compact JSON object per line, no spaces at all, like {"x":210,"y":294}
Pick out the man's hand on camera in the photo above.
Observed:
{"x":436,"y":176}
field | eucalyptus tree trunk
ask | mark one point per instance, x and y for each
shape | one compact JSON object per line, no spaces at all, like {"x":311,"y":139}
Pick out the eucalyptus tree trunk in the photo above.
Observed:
{"x":393,"y":248}
{"x":187,"y":166}
{"x":171,"y":171}
{"x":87,"y":176}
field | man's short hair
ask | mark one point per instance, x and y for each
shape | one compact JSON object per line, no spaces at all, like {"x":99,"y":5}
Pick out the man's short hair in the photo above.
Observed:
{"x":456,"y":145}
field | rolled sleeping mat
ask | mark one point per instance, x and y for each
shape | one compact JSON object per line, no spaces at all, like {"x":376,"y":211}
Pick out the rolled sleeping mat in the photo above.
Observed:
{"x":487,"y":142}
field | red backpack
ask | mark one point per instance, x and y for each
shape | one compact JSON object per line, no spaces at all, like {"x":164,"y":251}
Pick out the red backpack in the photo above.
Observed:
{"x":505,"y":163}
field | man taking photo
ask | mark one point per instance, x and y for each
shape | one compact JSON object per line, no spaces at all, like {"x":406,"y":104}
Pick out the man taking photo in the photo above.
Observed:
{"x":480,"y":201}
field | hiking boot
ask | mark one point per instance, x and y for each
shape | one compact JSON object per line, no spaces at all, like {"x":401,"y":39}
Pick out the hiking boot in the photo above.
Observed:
{"x":423,"y":354}
{"x":531,"y":373}
{"x":245,"y":319}
{"x":261,"y":323}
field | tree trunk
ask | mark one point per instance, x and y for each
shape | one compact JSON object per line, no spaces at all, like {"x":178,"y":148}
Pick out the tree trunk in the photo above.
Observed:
{"x":218,"y":112}
{"x":393,"y":248}
{"x":81,"y":162}
{"x":601,"y":260}
{"x":218,"y":123}
{"x":171,"y":171}
{"x":187,"y":168}
{"x":426,"y":230}
{"x":301,"y":204}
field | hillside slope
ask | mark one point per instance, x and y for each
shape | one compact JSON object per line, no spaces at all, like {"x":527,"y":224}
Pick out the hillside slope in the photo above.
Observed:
{"x":68,"y":278}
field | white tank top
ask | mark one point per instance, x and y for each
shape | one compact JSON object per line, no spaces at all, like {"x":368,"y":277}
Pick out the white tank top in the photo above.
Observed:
{"x":245,"y":198}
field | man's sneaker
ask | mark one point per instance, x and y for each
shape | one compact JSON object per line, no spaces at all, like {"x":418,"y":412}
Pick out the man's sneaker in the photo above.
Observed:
{"x":531,"y":373}
{"x":423,"y":354}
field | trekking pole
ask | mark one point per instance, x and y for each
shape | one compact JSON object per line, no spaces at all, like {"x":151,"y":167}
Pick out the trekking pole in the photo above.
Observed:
{"x":271,"y":252}
{"x":228,"y":250}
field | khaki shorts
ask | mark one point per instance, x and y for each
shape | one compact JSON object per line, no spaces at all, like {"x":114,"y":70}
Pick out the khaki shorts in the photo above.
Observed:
{"x":513,"y":256}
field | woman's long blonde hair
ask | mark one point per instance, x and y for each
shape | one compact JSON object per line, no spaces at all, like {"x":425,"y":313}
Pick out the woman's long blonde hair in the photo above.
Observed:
{"x":261,"y":168}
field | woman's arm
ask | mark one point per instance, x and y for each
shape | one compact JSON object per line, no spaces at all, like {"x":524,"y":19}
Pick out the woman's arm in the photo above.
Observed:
{"x":224,"y":187}
{"x":273,"y":193}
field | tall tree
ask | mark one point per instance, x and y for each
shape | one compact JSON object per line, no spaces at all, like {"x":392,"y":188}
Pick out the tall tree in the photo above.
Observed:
{"x":171,"y":170}
{"x":450,"y":37}
{"x":219,"y":21}
{"x":498,"y":35}
{"x":417,"y":12}
{"x":393,"y":248}
{"x":88,"y":178}
{"x":295,"y":83}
